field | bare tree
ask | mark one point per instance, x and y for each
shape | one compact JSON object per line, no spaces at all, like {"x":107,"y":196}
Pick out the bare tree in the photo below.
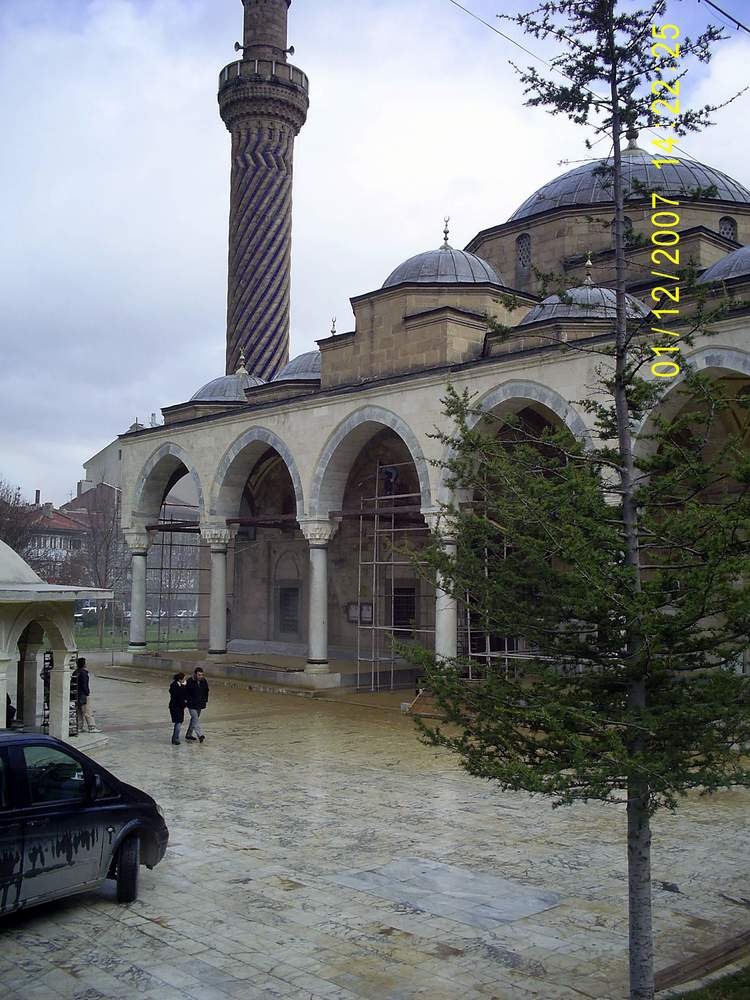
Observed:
{"x":103,"y":557}
{"x":17,"y":518}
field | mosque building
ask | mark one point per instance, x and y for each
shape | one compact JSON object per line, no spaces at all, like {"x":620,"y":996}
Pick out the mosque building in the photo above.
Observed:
{"x":314,"y":475}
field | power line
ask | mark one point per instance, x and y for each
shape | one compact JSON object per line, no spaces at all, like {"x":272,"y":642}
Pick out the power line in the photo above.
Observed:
{"x":731,"y":17}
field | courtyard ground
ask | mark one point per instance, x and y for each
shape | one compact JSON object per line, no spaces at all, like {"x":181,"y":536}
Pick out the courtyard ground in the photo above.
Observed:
{"x":319,"y":851}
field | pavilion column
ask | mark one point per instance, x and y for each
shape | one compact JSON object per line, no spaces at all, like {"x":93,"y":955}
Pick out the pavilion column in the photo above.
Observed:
{"x":5,"y":665}
{"x":28,"y":689}
{"x":218,"y":540}
{"x":59,"y":693}
{"x":318,"y":534}
{"x":138,"y":542}
{"x":446,"y":605}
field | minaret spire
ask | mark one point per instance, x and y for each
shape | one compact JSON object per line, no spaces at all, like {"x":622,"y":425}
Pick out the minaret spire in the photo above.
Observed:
{"x":263,"y":101}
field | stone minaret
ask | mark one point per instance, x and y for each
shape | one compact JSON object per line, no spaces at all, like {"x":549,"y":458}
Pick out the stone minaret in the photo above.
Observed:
{"x":263,"y":101}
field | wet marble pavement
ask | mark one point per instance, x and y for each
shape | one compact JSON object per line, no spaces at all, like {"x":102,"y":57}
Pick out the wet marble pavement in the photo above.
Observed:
{"x":319,"y":851}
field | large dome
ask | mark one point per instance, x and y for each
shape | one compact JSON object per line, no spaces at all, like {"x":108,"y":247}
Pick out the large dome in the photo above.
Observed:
{"x":303,"y":367}
{"x":445,"y":266}
{"x":735,"y":265}
{"x":588,"y":185}
{"x":584,"y":302}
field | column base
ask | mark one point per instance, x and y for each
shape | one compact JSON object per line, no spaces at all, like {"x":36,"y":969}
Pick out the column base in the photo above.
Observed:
{"x":217,"y":652}
{"x":317,"y":667}
{"x":136,"y":647}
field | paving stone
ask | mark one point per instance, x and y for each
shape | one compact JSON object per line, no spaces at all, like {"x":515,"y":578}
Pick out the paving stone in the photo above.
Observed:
{"x":284,"y":826}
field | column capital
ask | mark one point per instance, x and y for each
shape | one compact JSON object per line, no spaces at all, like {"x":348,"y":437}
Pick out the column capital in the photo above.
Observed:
{"x":318,"y":532}
{"x":440,"y":524}
{"x":217,"y":536}
{"x":137,"y":540}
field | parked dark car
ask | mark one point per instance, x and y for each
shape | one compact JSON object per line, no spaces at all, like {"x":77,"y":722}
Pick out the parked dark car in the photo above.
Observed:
{"x":67,"y":824}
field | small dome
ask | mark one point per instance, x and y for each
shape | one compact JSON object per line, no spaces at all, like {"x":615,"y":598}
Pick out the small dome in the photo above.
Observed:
{"x":228,"y":388}
{"x":445,"y":266}
{"x":588,"y":185}
{"x":14,"y":569}
{"x":735,"y":265}
{"x":586,"y":302}
{"x":302,"y":368}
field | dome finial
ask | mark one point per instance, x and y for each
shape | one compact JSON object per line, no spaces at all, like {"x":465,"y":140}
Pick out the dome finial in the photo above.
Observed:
{"x":333,"y":327}
{"x":242,"y":370}
{"x":632,"y":137}
{"x":446,"y":232}
{"x":589,"y":268}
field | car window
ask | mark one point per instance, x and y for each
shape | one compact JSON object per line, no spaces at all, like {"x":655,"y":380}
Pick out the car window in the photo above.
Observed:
{"x":4,"y":783}
{"x":53,"y":776}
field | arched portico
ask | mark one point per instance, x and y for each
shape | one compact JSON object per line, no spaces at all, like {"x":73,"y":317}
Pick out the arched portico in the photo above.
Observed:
{"x":716,"y":362}
{"x":339,"y":453}
{"x":163,"y":469}
{"x":514,"y":396}
{"x":237,"y":463}
{"x":258,"y":489}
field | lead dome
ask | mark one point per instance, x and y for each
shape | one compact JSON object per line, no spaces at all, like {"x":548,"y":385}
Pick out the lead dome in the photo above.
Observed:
{"x":444,"y":266}
{"x":303,"y":367}
{"x":734,"y":265}
{"x":228,"y":388}
{"x":588,"y":185}
{"x":585,"y":302}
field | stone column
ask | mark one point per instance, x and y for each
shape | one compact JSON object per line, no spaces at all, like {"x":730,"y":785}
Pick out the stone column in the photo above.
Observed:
{"x":5,"y":665}
{"x":218,"y":539}
{"x":59,"y":693}
{"x":138,"y":545}
{"x":446,"y":606}
{"x":318,"y":535}
{"x":29,"y":687}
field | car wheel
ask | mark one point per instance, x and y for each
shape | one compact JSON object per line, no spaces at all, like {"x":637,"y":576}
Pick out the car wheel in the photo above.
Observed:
{"x":128,"y":863}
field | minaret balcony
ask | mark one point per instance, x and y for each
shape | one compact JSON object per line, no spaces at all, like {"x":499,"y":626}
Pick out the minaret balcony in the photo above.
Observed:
{"x":264,"y":70}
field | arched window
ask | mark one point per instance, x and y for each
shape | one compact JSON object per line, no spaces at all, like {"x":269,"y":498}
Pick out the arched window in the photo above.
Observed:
{"x":523,"y":257}
{"x":728,"y":228}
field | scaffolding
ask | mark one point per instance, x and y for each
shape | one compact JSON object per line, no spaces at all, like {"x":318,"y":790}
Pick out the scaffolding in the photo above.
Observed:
{"x":394,"y":604}
{"x":177,"y":585}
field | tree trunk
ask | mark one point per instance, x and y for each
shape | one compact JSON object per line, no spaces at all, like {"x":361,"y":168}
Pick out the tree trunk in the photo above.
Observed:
{"x":639,"y":828}
{"x":639,"y":895}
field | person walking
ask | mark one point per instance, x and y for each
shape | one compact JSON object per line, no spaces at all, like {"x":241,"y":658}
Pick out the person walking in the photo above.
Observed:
{"x":177,"y":702}
{"x":196,"y":692}
{"x":83,"y":698}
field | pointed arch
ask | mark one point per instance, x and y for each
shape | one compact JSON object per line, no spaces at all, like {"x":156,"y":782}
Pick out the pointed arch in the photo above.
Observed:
{"x":160,"y":472}
{"x":236,"y":463}
{"x":342,"y":447}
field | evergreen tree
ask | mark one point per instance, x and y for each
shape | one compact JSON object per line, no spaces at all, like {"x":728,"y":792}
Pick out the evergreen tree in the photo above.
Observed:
{"x":622,"y":570}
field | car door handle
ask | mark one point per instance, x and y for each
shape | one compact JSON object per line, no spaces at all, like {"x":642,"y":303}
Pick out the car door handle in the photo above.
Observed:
{"x":33,"y":823}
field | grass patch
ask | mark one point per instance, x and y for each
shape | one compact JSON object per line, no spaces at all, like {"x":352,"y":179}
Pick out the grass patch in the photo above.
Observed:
{"x":735,"y":987}
{"x":182,"y":637}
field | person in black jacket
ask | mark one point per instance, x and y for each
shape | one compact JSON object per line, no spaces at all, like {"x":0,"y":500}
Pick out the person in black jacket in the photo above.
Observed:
{"x":196,"y":693}
{"x":83,"y":698}
{"x":177,"y":702}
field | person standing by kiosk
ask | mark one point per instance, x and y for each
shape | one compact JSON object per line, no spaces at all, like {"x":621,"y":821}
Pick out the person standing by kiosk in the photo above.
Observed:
{"x":83,"y":698}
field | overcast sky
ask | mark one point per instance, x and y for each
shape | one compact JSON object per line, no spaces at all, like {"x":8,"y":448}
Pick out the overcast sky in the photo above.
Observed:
{"x":114,"y":178}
